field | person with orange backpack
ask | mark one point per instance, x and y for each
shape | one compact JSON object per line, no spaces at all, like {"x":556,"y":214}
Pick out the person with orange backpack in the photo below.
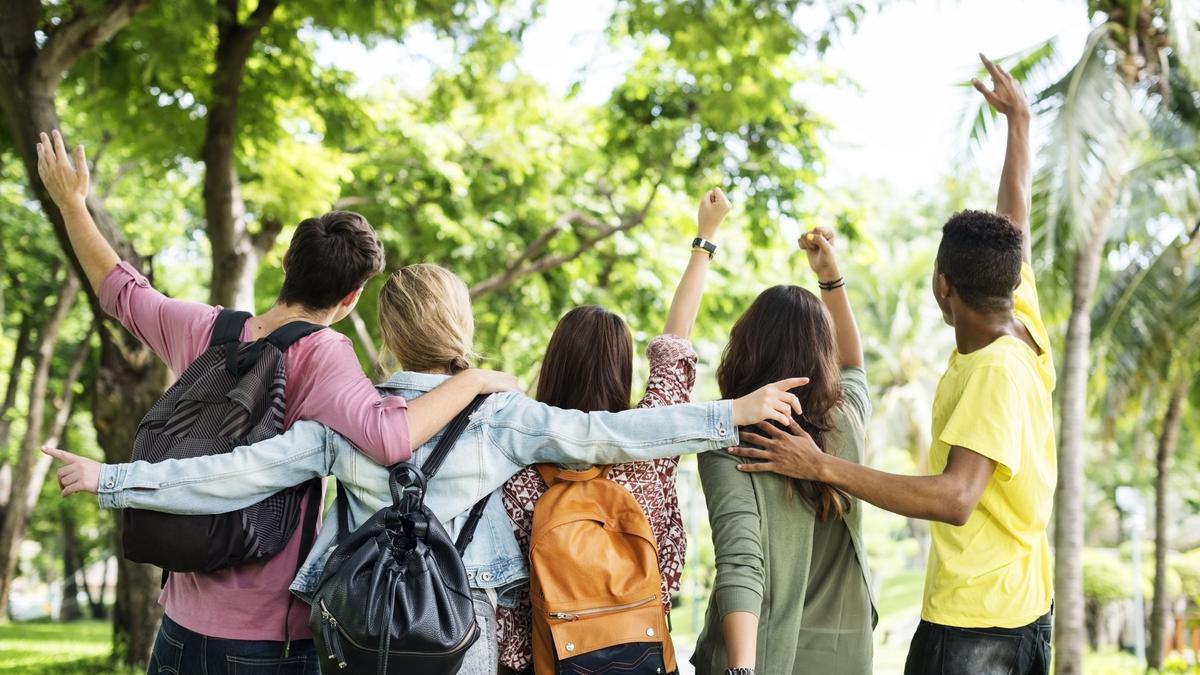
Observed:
{"x":606,"y":545}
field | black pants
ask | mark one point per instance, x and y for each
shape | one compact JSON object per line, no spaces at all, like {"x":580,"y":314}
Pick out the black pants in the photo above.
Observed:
{"x":179,"y":651}
{"x":946,"y":650}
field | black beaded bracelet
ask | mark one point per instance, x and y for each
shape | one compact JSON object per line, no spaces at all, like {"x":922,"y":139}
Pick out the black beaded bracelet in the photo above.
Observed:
{"x":830,"y":285}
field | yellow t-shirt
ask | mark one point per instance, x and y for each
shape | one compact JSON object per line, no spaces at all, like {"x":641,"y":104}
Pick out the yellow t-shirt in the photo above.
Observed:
{"x":996,"y":401}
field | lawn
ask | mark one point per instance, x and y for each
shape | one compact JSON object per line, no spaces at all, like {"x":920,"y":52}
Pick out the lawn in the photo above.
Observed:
{"x":45,"y":648}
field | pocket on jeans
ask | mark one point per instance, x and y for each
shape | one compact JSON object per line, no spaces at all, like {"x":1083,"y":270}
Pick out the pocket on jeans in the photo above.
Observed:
{"x":979,"y":651}
{"x":167,"y":653}
{"x":245,"y":665}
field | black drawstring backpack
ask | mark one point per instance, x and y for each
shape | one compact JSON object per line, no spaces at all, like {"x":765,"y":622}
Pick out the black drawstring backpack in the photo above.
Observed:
{"x":394,"y":596}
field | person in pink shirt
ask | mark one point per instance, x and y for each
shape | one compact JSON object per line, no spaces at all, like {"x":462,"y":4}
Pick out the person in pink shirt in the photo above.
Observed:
{"x":241,"y":614}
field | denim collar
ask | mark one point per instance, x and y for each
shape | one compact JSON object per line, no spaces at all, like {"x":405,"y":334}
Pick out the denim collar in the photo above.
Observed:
{"x":413,"y":381}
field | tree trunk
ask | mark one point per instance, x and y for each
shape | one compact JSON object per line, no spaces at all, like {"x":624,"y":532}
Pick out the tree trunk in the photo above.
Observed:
{"x":130,"y":377}
{"x":235,"y":252}
{"x":16,"y":515}
{"x":1167,"y":441}
{"x":71,"y":561}
{"x":20,"y":350}
{"x":1069,"y":626}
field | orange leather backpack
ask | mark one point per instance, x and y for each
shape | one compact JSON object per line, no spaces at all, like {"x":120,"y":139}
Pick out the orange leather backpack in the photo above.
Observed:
{"x":594,"y":581}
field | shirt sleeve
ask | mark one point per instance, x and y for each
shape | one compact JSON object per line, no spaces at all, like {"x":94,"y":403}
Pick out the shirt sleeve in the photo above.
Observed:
{"x":176,"y":330}
{"x":986,"y":419}
{"x":857,"y":395}
{"x":1028,"y":309}
{"x":672,"y":371}
{"x":336,"y":393}
{"x":736,"y":534}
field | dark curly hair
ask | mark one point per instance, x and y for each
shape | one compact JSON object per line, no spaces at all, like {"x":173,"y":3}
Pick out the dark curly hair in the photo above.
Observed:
{"x":980,"y":255}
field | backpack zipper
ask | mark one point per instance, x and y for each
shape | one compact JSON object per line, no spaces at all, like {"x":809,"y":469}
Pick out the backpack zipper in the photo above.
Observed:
{"x":329,"y":627}
{"x":595,"y":611}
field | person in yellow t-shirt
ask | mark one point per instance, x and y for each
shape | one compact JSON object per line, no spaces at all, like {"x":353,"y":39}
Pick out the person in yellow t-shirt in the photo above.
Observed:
{"x":988,"y":587}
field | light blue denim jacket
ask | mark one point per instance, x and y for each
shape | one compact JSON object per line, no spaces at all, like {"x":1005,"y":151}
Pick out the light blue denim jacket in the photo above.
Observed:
{"x":507,"y":433}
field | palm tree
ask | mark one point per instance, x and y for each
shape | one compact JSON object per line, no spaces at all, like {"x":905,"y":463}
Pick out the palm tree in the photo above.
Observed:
{"x":1150,"y":342}
{"x":1102,"y":113}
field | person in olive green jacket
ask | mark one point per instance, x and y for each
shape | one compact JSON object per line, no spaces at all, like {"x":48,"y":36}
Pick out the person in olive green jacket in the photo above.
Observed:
{"x":792,"y":592}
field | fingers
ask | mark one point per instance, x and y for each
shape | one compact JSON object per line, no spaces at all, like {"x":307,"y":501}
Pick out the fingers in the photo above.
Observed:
{"x":60,"y":150}
{"x":757,"y":467}
{"x":47,"y":147}
{"x":81,"y":165}
{"x":825,"y":244}
{"x":56,"y":453}
{"x":792,"y":383}
{"x":753,"y":439}
{"x":795,"y":428}
{"x":772,"y":431}
{"x":752,"y":453}
{"x":992,"y":68}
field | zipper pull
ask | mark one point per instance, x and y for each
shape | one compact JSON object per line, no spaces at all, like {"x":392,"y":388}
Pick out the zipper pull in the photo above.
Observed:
{"x":564,"y":616}
{"x":332,"y":637}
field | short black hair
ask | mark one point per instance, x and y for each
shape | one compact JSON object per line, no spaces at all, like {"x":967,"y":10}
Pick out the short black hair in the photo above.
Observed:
{"x":980,"y":255}
{"x":330,"y":256}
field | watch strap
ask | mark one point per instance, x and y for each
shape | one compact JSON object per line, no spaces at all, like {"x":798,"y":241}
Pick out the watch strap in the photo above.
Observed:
{"x":705,"y":245}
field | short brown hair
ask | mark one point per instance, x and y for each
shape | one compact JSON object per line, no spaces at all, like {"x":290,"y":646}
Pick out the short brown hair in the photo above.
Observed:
{"x":330,"y":257}
{"x":589,"y":362}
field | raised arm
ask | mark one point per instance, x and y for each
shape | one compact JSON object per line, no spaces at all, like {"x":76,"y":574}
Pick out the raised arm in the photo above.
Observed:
{"x":818,"y":244}
{"x":68,"y":187}
{"x":1013,"y":197}
{"x":714,"y":206}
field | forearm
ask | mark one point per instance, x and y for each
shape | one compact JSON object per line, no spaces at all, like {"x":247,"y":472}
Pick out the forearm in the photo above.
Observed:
{"x":1013,"y":197}
{"x":686,"y":303}
{"x":845,"y":328}
{"x":740,"y":630}
{"x":430,"y":413}
{"x":96,"y":256}
{"x":936,"y":497}
{"x":216,"y":483}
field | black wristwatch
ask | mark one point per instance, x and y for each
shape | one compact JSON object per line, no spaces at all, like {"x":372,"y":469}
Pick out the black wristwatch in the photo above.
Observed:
{"x":708,"y":247}
{"x":739,"y":671}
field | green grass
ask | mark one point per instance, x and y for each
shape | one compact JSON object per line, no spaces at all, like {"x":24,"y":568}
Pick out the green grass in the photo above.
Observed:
{"x":45,"y":648}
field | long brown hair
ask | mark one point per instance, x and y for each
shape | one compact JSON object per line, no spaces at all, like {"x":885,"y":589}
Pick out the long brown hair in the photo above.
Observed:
{"x":589,"y":362}
{"x":786,"y":333}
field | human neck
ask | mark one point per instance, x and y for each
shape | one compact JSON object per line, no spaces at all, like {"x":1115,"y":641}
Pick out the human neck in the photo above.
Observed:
{"x":974,"y":330}
{"x":281,"y":314}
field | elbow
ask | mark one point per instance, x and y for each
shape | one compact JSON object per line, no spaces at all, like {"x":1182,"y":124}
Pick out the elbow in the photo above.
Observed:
{"x":957,"y":509}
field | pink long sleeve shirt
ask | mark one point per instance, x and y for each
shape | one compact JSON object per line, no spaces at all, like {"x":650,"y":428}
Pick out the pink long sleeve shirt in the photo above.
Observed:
{"x":325,"y":383}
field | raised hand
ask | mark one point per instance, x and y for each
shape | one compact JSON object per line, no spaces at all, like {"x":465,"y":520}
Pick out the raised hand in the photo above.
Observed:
{"x":67,"y":184}
{"x":774,"y":402}
{"x":818,"y":245}
{"x":714,"y":206}
{"x":1005,"y":95}
{"x":78,"y":474}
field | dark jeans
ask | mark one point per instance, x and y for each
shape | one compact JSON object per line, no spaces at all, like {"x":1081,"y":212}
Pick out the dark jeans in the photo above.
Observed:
{"x":179,"y":651}
{"x":946,"y":650}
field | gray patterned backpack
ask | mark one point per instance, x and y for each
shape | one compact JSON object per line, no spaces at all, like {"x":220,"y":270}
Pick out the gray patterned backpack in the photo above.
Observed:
{"x":231,"y":395}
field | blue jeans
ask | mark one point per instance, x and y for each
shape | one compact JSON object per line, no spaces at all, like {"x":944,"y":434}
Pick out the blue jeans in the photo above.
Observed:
{"x":179,"y":651}
{"x":947,"y":650}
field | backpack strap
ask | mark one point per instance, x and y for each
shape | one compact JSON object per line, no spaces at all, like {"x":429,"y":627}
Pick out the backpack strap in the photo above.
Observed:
{"x":287,"y":334}
{"x":450,"y":437}
{"x":468,"y":531}
{"x":228,"y":327}
{"x":343,"y":513}
{"x":308,"y":532}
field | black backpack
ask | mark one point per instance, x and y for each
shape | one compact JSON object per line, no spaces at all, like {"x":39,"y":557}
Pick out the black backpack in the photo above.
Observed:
{"x":231,"y":395}
{"x":394,"y":596}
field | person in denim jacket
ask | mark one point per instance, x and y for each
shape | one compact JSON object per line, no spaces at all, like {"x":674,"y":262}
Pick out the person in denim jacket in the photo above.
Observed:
{"x":426,"y":323}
